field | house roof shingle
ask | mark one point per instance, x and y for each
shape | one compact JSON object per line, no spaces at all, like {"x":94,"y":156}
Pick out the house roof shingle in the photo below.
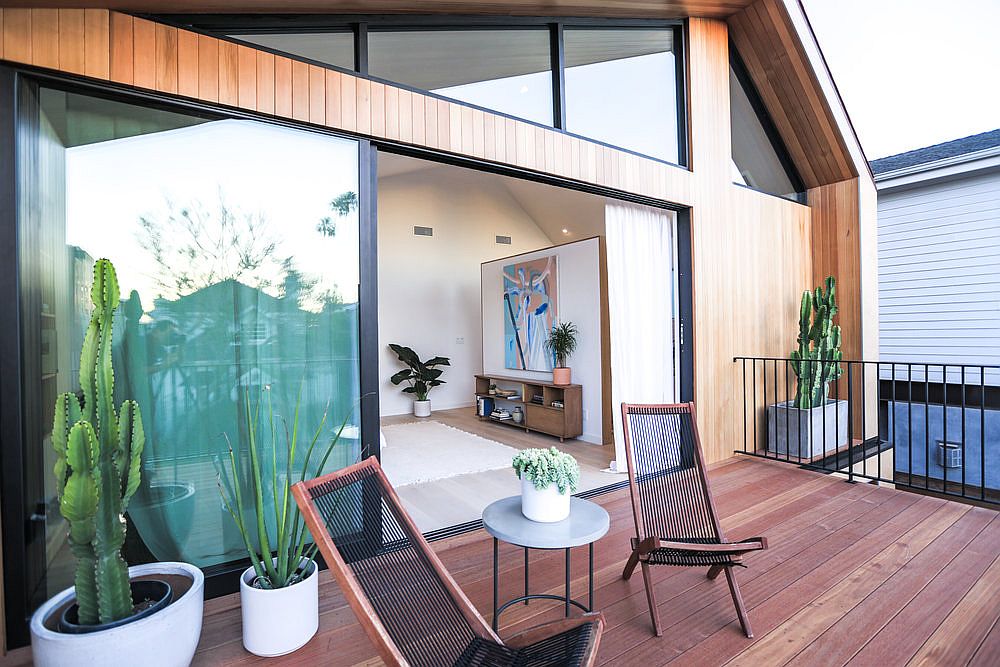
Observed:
{"x":970,"y":144}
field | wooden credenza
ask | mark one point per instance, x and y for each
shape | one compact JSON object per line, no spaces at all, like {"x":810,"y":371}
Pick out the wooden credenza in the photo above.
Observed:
{"x":542,"y":417}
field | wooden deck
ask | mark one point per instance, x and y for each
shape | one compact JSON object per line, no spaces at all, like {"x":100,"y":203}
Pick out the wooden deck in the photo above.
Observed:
{"x":856,"y":574}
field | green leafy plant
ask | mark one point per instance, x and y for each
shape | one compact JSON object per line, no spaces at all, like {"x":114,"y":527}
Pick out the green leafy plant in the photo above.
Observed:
{"x":816,"y":361}
{"x":275,"y":534}
{"x":562,"y":342}
{"x":98,"y":453}
{"x":542,"y":467}
{"x":422,"y":376}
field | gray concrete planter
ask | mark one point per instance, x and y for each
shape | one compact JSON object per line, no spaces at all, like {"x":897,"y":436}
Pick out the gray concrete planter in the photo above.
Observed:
{"x":805,"y":434}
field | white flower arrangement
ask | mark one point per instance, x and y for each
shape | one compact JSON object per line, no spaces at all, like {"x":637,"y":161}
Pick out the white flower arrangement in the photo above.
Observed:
{"x":542,"y":467}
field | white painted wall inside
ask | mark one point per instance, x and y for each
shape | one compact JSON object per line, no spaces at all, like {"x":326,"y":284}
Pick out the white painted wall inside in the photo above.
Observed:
{"x":429,"y":287}
{"x":579,"y":288}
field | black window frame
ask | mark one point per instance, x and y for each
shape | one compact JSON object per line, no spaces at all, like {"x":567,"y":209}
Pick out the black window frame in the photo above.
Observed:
{"x":770,"y":129}
{"x":222,"y":25}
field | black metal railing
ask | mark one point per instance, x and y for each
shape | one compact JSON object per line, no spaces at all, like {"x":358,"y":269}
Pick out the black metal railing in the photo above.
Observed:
{"x":931,"y":427}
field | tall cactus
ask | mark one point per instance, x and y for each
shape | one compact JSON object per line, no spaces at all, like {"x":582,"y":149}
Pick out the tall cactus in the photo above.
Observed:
{"x":816,"y":361}
{"x":98,"y":452}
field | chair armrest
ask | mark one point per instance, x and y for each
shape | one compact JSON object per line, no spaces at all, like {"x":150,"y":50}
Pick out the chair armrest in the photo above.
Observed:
{"x":751,"y":544}
{"x":652,"y":543}
{"x":546,"y":630}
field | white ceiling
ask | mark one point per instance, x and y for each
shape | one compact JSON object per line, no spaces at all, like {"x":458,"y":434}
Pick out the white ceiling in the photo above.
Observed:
{"x":552,"y":208}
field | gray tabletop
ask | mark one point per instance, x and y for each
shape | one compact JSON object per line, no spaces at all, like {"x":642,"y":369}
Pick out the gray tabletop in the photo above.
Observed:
{"x":587,"y":522}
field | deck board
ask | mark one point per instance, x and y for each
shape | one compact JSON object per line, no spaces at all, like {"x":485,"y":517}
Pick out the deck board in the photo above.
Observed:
{"x":855,"y":574}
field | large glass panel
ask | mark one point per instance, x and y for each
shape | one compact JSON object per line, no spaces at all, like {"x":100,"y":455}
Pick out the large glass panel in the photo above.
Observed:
{"x":332,"y":48}
{"x":237,"y":250}
{"x":621,"y":88}
{"x":504,"y":70}
{"x":757,"y":162}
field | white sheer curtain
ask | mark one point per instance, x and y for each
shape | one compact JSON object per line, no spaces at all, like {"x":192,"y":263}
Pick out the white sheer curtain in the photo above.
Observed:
{"x":641,"y":289}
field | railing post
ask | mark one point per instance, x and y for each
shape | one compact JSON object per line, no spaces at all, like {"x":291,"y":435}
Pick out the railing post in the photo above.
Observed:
{"x":850,"y":422}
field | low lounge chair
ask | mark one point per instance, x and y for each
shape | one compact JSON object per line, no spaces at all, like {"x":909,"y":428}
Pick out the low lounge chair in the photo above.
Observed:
{"x":675,"y":518}
{"x":410,"y":607}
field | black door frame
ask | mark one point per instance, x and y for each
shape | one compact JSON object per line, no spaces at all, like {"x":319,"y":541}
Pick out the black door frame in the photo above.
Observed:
{"x":220,"y":579}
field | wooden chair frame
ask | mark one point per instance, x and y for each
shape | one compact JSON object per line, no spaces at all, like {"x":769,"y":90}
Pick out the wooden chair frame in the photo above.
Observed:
{"x":643,"y":544}
{"x":365,"y":612}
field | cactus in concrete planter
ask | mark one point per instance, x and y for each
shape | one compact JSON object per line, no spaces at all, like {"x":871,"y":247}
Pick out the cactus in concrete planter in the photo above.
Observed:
{"x":97,"y":466}
{"x":816,"y":361}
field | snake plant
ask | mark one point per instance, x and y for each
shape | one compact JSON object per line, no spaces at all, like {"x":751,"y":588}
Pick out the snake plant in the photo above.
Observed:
{"x":274,"y":533}
{"x":98,"y":452}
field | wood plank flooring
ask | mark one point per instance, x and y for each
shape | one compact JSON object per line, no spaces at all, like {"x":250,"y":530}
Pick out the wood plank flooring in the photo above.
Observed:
{"x":855,"y":574}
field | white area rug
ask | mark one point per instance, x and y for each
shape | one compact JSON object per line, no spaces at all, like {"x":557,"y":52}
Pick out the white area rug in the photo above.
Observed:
{"x":426,"y":451}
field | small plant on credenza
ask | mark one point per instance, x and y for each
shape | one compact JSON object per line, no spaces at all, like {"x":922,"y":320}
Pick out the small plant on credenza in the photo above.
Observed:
{"x":562,"y":343}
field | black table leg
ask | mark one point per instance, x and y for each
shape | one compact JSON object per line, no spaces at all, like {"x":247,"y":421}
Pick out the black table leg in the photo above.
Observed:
{"x":590,"y":600}
{"x":526,"y":575}
{"x":496,"y":576}
{"x":567,"y":583}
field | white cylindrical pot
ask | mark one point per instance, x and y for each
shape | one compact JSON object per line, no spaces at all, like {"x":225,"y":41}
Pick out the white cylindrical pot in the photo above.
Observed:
{"x":281,"y":620}
{"x":422,"y":408}
{"x":167,"y":638}
{"x":546,"y":505}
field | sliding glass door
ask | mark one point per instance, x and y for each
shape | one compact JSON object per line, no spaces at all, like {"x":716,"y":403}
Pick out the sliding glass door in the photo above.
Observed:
{"x":237,"y":247}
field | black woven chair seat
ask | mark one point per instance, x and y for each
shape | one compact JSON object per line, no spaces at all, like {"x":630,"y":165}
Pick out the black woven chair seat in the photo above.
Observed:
{"x":567,"y":649}
{"x":693,"y":558}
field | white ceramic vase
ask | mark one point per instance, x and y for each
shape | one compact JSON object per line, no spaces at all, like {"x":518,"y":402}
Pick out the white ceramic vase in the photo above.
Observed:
{"x":544,"y":506}
{"x":281,"y":620}
{"x":167,"y":638}
{"x":422,"y":408}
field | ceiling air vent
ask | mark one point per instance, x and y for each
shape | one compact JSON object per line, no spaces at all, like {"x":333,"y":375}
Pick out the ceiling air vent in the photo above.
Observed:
{"x":423,"y":231}
{"x":503,"y":240}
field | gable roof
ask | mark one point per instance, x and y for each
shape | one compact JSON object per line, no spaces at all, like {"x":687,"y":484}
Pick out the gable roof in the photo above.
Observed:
{"x":947,"y":149}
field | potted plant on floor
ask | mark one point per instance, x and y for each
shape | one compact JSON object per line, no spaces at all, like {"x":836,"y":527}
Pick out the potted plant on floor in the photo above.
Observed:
{"x":113,"y":614}
{"x":548,"y":478}
{"x":812,"y":424}
{"x":562,"y":342}
{"x":279,"y":592}
{"x":422,"y":376}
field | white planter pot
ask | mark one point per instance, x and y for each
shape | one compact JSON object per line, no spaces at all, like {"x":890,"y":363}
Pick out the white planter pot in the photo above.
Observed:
{"x":422,"y":408}
{"x":279,"y":621}
{"x":167,"y":638}
{"x":546,"y":505}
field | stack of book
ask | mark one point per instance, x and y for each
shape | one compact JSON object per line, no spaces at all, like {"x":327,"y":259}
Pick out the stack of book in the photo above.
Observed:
{"x":501,"y":415}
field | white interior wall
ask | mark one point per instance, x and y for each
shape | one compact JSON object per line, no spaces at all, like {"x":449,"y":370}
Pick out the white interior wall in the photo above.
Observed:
{"x":579,"y":286}
{"x":429,"y":287}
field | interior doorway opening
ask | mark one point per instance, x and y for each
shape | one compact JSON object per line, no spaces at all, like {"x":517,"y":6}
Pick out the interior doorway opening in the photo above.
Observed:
{"x":477,"y":268}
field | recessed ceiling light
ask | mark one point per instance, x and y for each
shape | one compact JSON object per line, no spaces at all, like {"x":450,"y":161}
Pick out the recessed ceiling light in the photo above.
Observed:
{"x":565,"y":231}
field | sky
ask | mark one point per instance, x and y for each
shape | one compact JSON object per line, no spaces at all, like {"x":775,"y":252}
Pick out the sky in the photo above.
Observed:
{"x":912,"y":72}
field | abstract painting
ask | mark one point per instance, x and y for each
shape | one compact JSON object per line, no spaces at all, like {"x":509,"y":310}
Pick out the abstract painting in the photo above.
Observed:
{"x":531,"y":308}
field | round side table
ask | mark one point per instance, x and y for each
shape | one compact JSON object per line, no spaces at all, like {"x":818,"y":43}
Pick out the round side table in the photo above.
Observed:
{"x":587,"y":523}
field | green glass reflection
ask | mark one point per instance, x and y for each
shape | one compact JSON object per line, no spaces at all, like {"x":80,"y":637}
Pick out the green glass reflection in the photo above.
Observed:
{"x":236,"y":246}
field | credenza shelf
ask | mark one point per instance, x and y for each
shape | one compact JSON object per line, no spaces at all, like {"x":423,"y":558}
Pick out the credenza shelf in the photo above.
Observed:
{"x":564,"y":422}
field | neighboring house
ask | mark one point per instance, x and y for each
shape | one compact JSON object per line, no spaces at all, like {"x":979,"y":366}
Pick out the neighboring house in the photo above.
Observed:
{"x":939,"y":254}
{"x":658,"y":104}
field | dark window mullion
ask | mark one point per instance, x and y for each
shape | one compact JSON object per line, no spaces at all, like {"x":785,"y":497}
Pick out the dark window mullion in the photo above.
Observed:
{"x":681,"y":85}
{"x":558,"y":53}
{"x":361,"y":48}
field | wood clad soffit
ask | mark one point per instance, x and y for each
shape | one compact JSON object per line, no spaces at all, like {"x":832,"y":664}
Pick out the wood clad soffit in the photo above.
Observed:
{"x":598,"y":8}
{"x":136,"y":52}
{"x":768,"y":42}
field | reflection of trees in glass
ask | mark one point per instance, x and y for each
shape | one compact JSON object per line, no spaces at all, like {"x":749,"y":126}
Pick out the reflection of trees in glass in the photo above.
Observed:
{"x":193,"y":247}
{"x":343,"y":205}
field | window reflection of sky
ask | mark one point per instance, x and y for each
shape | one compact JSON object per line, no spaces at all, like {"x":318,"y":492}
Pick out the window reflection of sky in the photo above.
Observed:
{"x":289,"y":177}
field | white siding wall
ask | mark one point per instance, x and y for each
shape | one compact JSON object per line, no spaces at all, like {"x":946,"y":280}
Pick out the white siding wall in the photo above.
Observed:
{"x":939,"y":274}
